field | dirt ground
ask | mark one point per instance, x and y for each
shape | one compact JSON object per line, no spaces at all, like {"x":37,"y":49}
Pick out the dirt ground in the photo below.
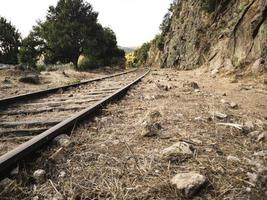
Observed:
{"x":11,"y":86}
{"x":110,"y":159}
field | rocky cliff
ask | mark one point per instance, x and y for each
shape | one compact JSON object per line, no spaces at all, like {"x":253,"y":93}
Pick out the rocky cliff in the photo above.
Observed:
{"x":220,"y":34}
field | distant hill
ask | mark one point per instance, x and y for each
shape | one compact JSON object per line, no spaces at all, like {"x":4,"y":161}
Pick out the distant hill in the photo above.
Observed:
{"x":128,"y":49}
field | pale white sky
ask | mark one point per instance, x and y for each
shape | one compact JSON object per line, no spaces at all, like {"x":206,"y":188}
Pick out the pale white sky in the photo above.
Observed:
{"x":133,"y":21}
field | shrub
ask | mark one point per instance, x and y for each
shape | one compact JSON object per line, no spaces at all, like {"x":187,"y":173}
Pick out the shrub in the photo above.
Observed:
{"x":87,"y":62}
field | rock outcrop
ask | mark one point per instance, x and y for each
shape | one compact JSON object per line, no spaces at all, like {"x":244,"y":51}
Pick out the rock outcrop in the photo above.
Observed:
{"x":221,"y":34}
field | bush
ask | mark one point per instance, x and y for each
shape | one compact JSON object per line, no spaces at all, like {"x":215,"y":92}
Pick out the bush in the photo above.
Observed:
{"x":87,"y":62}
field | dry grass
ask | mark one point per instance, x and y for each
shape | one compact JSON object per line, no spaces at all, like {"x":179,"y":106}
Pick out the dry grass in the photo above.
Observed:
{"x":110,"y":160}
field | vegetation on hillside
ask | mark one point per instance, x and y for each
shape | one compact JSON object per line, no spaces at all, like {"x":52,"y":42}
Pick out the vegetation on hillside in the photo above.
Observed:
{"x":9,"y":42}
{"x":141,"y":54}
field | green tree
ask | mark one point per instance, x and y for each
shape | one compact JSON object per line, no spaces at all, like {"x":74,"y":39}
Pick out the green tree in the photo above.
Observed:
{"x":31,"y":48}
{"x":9,"y":42}
{"x":70,"y":27}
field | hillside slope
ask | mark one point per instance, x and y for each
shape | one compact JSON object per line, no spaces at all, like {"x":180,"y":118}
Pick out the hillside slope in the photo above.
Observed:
{"x":221,"y":34}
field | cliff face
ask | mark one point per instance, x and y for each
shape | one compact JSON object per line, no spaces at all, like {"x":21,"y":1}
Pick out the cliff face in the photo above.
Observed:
{"x":222,"y":34}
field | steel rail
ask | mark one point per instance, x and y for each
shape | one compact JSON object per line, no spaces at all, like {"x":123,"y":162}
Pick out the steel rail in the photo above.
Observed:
{"x":22,"y":97}
{"x":8,"y":160}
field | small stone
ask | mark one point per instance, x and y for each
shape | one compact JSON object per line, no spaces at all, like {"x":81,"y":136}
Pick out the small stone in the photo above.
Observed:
{"x":199,"y":119}
{"x":39,"y":175}
{"x":194,"y":85}
{"x":178,"y":151}
{"x":63,"y":140}
{"x":233,"y":105}
{"x":233,"y":158}
{"x":189,"y":183}
{"x":151,"y":129}
{"x":223,"y":101}
{"x":248,"y":189}
{"x":248,"y":127}
{"x":254,"y":134}
{"x":196,"y":141}
{"x":35,"y":198}
{"x":261,"y":137}
{"x":219,"y":115}
{"x":261,"y":153}
{"x":62,"y":174}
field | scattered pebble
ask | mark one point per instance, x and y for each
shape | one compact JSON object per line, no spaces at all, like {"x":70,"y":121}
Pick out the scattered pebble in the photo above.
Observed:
{"x":151,"y":124}
{"x":39,"y":175}
{"x":178,"y":151}
{"x":233,"y":158}
{"x":62,"y":174}
{"x":219,"y":115}
{"x":248,"y":127}
{"x":261,"y":137}
{"x":151,"y":129}
{"x":63,"y":140}
{"x":233,"y":105}
{"x":189,"y":183}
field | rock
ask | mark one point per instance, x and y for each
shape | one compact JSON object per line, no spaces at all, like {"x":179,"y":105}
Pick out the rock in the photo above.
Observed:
{"x":178,"y":151}
{"x":257,"y":135}
{"x":223,"y":101}
{"x":261,"y":137}
{"x":233,"y":105}
{"x":196,"y":141}
{"x":39,"y":175}
{"x":151,"y":129}
{"x":189,"y":183}
{"x":164,"y":87}
{"x":63,"y":140}
{"x":219,"y":115}
{"x":30,"y":78}
{"x":151,"y":124}
{"x":254,"y":134}
{"x":62,"y":174}
{"x":233,"y":158}
{"x":194,"y":85}
{"x":261,"y":153}
{"x":248,"y":127}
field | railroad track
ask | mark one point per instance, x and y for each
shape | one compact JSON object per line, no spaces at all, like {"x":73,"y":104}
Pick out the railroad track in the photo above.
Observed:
{"x":27,"y":122}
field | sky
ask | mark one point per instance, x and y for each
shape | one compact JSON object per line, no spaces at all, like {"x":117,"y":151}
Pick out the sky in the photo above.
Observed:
{"x":133,"y":21}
